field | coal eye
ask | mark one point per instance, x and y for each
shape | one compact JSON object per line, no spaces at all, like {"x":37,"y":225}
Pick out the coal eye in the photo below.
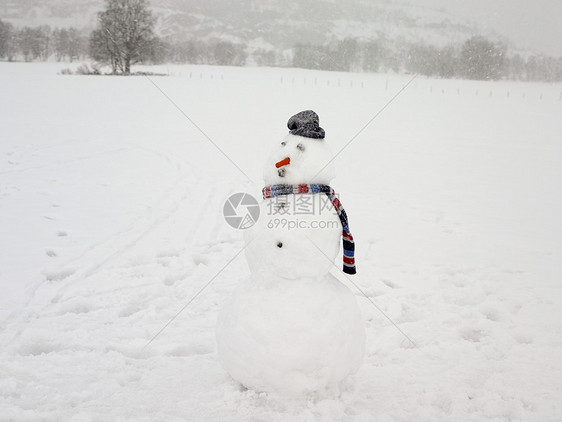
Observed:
{"x":300,"y":147}
{"x":280,"y":244}
{"x":283,"y":143}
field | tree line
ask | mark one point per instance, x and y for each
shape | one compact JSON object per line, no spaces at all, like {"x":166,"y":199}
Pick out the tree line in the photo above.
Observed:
{"x":71,"y":44}
{"x":41,"y":43}
{"x":125,"y":36}
{"x":477,"y":58}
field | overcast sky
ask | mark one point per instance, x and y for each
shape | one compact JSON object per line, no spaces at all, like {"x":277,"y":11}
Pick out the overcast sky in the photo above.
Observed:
{"x":535,"y":24}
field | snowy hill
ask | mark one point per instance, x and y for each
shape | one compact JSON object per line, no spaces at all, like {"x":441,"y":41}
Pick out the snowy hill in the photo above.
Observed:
{"x":314,"y":21}
{"x":115,"y":257}
{"x":57,"y":13}
{"x":269,"y":23}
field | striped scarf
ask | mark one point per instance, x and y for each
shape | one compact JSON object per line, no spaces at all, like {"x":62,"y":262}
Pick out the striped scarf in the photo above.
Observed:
{"x":348,"y":243}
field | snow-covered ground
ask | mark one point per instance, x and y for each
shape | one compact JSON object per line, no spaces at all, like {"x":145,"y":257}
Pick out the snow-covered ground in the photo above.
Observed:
{"x":111,"y":223}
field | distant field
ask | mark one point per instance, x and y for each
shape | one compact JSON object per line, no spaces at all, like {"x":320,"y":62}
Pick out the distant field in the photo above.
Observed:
{"x":111,"y":221}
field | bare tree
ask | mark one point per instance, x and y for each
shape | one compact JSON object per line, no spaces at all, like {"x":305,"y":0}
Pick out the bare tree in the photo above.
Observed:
{"x":229,"y":54}
{"x":68,"y":43}
{"x":125,"y":34}
{"x":34,"y":43}
{"x":482,"y":59}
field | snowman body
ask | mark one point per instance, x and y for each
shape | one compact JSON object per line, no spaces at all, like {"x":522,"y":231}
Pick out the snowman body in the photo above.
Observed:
{"x":292,"y":328}
{"x":305,"y":227}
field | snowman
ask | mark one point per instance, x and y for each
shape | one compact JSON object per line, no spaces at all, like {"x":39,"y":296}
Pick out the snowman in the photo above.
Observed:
{"x":292,"y":328}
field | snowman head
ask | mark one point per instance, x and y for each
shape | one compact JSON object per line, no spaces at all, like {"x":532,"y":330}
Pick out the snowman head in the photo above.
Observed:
{"x":302,"y":156}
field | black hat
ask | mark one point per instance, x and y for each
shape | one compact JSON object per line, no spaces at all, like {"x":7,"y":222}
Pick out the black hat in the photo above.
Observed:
{"x":306,"y":123}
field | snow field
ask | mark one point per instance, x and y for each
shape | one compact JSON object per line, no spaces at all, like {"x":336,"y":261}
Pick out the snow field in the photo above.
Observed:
{"x":111,"y":221}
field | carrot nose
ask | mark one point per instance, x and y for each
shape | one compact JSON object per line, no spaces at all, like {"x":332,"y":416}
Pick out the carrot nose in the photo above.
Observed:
{"x":283,"y":162}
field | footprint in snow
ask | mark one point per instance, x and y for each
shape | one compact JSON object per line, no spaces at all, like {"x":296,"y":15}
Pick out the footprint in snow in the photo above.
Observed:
{"x":390,"y":284}
{"x":491,"y":313}
{"x":171,"y":279}
{"x":170,"y":253}
{"x":75,"y":306}
{"x":58,"y":275}
{"x":522,"y":336}
{"x":129,"y":310}
{"x":473,"y":334}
